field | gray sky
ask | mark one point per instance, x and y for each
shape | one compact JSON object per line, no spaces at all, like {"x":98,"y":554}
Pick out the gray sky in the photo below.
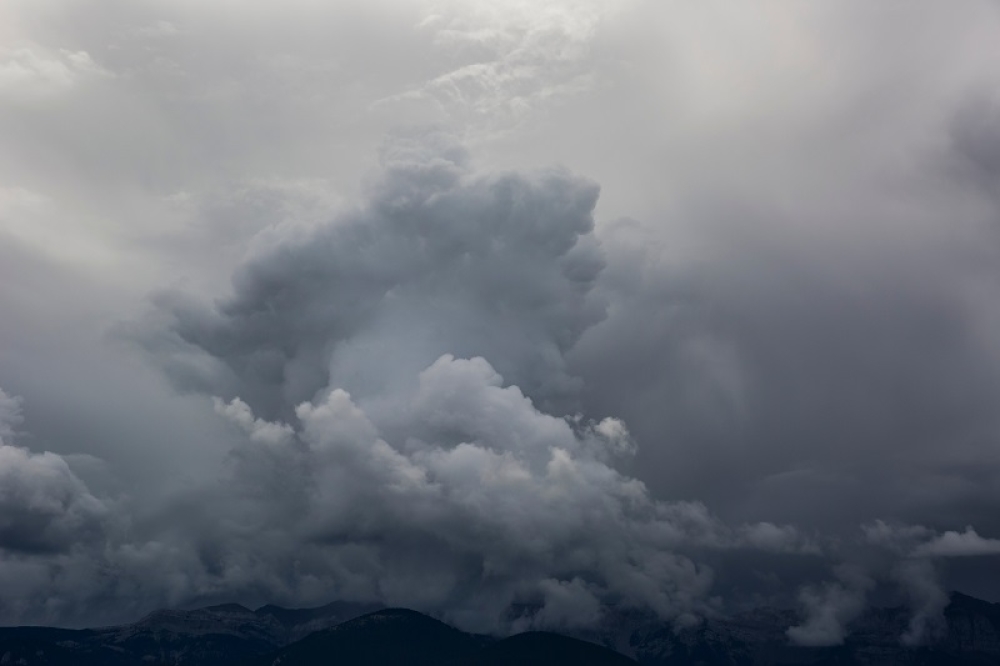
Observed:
{"x":458,"y":304}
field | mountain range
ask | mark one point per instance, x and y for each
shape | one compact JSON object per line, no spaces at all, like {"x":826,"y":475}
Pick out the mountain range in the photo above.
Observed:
{"x":349,"y":634}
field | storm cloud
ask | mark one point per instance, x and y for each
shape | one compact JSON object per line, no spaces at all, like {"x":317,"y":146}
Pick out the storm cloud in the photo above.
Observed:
{"x":44,"y":506}
{"x":461,"y":305}
{"x":418,"y":470}
{"x":439,"y":260}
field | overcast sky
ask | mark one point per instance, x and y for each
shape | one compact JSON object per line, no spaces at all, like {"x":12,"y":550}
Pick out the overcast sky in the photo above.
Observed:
{"x":457,"y":304}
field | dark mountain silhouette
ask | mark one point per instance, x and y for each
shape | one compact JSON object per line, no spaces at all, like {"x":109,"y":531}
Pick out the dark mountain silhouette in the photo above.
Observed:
{"x":42,"y":646}
{"x":351,"y":634}
{"x":406,"y":638}
{"x":214,"y":635}
{"x":541,"y":648}
{"x":392,"y":636}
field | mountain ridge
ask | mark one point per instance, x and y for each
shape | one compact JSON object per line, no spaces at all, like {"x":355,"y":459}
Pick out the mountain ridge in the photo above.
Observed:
{"x":234,"y":635}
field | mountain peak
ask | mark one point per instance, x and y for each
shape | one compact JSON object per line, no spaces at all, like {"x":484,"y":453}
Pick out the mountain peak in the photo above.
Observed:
{"x":228,"y":608}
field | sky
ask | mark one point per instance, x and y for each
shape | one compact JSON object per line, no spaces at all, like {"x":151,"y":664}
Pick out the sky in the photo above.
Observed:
{"x":453,"y":305}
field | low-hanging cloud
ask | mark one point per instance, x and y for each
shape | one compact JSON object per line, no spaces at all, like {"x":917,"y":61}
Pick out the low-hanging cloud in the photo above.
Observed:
{"x":906,"y":557}
{"x":830,"y":608}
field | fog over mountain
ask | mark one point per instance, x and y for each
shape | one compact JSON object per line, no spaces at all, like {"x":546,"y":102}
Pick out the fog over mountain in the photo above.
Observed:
{"x":469,"y":307}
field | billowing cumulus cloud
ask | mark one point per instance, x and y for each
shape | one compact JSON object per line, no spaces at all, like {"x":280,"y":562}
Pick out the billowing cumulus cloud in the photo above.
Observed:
{"x":485,"y":500}
{"x":47,"y":515}
{"x":44,"y":507}
{"x":440,"y":260}
{"x":375,"y":342}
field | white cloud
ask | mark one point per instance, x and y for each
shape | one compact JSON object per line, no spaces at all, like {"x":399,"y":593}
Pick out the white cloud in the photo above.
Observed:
{"x":487,"y":499}
{"x":31,"y":72}
{"x":958,"y":544}
{"x":258,"y":430}
{"x":506,"y":60}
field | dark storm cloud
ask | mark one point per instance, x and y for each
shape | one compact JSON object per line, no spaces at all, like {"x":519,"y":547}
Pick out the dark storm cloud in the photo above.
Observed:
{"x":44,"y":507}
{"x":411,"y":347}
{"x":496,"y":265}
{"x":428,"y":388}
{"x":852,"y":366}
{"x":480,"y":501}
{"x":826,"y":362}
{"x":755,"y":359}
{"x":463,"y":391}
